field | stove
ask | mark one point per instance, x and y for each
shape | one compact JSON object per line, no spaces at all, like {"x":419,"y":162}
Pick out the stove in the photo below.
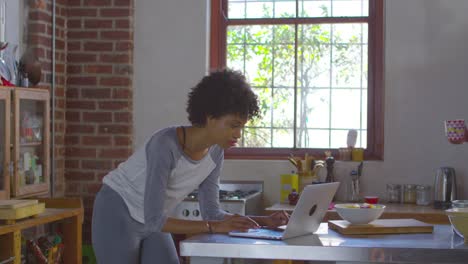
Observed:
{"x":225,"y":195}
{"x":235,"y":197}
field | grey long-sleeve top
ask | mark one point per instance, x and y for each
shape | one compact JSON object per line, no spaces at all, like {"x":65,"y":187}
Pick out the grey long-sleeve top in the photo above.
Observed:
{"x":159,"y":175}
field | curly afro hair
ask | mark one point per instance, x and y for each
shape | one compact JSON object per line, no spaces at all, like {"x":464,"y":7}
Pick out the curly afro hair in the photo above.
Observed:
{"x":221,"y":93}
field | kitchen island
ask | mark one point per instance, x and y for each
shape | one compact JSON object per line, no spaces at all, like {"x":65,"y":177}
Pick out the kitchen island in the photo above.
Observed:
{"x":441,"y":246}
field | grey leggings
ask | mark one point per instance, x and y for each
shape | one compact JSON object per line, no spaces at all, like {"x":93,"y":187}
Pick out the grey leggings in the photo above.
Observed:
{"x":119,"y":239}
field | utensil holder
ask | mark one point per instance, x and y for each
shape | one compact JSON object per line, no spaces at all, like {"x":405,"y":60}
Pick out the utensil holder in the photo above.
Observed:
{"x":306,"y":178}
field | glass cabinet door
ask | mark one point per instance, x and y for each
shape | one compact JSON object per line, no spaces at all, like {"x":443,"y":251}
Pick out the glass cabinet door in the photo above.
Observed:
{"x":31,"y":142}
{"x":5,"y":110}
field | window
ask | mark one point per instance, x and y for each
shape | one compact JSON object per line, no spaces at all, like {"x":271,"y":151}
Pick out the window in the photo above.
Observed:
{"x":316,"y":66}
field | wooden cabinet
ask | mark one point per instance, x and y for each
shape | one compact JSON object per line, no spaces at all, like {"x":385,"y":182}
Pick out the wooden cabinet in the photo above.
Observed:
{"x":26,"y":152}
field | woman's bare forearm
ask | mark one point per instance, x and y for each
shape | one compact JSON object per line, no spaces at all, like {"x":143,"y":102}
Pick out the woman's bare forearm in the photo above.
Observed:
{"x":261,"y":220}
{"x":179,"y":226}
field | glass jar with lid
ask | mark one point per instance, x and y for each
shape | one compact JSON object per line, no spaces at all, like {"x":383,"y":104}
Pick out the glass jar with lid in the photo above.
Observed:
{"x":423,"y":194}
{"x":409,"y":193}
{"x":393,"y":193}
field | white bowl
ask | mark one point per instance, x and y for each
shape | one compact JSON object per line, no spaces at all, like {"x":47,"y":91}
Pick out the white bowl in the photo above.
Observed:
{"x":356,"y":215}
{"x":459,"y":219}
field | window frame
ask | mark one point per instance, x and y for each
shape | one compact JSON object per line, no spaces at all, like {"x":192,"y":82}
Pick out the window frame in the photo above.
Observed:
{"x":375,"y":104}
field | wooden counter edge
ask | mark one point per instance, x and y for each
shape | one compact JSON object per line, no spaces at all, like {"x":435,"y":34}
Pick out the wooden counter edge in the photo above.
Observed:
{"x":427,"y":217}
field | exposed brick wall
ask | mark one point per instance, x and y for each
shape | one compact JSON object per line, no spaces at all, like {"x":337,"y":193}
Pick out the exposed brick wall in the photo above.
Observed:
{"x":60,"y":110}
{"x":93,"y":91}
{"x":99,"y":121}
{"x":38,"y":37}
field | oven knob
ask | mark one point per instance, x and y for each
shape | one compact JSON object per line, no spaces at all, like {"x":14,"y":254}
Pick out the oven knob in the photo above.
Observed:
{"x":196,"y":212}
{"x":185,"y":212}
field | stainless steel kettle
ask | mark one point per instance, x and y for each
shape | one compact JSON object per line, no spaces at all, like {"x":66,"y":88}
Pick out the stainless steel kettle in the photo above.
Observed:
{"x":445,"y":188}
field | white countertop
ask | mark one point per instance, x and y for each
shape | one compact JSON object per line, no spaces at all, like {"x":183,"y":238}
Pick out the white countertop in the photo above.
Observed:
{"x":441,"y":246}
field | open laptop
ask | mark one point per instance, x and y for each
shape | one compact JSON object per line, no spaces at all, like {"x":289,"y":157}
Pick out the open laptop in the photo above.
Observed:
{"x":306,"y":217}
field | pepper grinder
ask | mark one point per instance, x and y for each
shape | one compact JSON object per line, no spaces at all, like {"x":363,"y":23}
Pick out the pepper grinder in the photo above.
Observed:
{"x":330,"y":162}
{"x":353,"y":191}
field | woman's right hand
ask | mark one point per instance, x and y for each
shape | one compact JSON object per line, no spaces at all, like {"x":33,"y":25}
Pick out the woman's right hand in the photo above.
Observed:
{"x":234,"y":222}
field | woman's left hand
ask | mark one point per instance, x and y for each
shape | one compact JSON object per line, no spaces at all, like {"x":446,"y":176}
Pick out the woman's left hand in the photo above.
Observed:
{"x":277,"y":219}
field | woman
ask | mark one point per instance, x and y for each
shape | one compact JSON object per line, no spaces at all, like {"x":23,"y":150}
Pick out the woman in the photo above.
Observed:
{"x":130,"y":219}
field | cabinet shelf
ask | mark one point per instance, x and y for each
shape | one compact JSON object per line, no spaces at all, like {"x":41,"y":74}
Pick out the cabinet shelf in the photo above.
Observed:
{"x":66,"y":211}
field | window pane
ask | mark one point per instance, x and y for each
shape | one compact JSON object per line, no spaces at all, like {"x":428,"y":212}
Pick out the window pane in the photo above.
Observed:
{"x":239,"y":9}
{"x":266,"y":108}
{"x":259,"y":9}
{"x":346,"y":108}
{"x":313,"y":138}
{"x":314,"y":67}
{"x":363,"y":139}
{"x":258,"y":34}
{"x":350,"y":8}
{"x":333,"y":8}
{"x":236,"y":54}
{"x":283,"y":66}
{"x":285,"y":8}
{"x":258,"y":65}
{"x":339,"y":138}
{"x":348,"y":48}
{"x":283,"y":108}
{"x":314,"y":56}
{"x":364,"y":108}
{"x":236,"y":35}
{"x":236,"y":48}
{"x":249,"y":50}
{"x":365,"y":66}
{"x":349,"y":33}
{"x":315,"y":8}
{"x":315,"y":110}
{"x":256,"y":138}
{"x":284,"y":34}
{"x":236,"y":9}
{"x":283,"y":138}
{"x":347,"y":66}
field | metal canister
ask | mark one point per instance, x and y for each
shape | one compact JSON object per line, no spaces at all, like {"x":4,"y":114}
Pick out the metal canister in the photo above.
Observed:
{"x":445,"y":188}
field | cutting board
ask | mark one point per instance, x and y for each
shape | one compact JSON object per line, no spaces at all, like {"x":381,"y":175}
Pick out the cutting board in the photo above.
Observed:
{"x":381,"y":226}
{"x":10,"y":215}
{"x":11,"y":204}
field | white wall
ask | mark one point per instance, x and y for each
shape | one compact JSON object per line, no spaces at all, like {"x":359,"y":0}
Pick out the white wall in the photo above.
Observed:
{"x":170,"y":56}
{"x":426,"y":83}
